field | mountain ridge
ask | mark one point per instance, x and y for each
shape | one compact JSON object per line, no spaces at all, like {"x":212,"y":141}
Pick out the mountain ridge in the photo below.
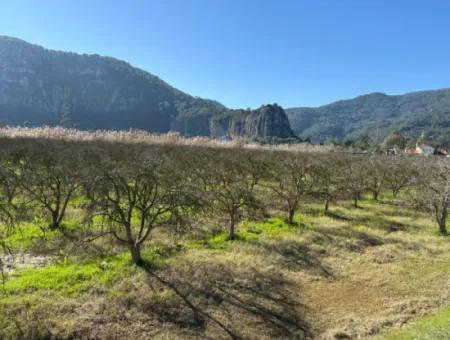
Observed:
{"x":377,"y":114}
{"x":40,"y":86}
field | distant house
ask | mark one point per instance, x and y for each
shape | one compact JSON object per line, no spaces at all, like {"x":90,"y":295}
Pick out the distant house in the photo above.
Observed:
{"x":420,"y":150}
{"x":392,"y":151}
{"x":424,"y":150}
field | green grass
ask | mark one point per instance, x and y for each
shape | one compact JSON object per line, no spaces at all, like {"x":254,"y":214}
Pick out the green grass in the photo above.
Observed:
{"x":26,"y":235}
{"x":247,"y":232}
{"x":69,"y":279}
{"x":429,"y":328}
{"x":377,"y":250}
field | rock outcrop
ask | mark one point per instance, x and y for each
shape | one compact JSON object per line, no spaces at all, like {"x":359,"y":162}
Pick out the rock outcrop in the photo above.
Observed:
{"x":266,"y":122}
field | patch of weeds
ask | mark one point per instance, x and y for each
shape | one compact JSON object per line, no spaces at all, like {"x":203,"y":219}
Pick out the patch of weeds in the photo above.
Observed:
{"x":26,"y":235}
{"x":249,"y":232}
{"x":69,"y":279}
{"x":431,"y":327}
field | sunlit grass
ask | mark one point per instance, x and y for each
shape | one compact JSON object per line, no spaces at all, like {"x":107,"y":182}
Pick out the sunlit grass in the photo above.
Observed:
{"x":248,"y":232}
{"x":380,"y":253}
{"x":434,"y":327}
{"x":67,"y":278}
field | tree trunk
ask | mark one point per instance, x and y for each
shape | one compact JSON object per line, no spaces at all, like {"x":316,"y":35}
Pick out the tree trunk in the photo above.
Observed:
{"x":136,"y":257}
{"x":327,"y":204}
{"x":55,"y":221}
{"x":232,"y":233}
{"x":291,"y":215}
{"x":442,"y":221}
{"x":442,"y":227}
{"x":375,"y":195}
{"x":355,"y":202}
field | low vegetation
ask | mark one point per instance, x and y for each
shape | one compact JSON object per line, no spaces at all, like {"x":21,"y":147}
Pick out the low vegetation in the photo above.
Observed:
{"x":106,"y":239}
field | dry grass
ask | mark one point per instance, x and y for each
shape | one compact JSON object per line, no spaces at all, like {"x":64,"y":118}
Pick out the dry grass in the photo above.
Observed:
{"x":354,"y":273}
{"x":144,"y":137}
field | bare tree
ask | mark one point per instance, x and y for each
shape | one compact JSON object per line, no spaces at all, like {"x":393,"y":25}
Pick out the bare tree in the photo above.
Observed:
{"x":289,"y":179}
{"x":229,"y":185}
{"x":356,"y":178}
{"x":401,"y":172}
{"x":432,"y":190}
{"x":376,"y":173}
{"x":11,"y":202}
{"x":327,"y":178}
{"x":50,"y":173}
{"x":137,"y":190}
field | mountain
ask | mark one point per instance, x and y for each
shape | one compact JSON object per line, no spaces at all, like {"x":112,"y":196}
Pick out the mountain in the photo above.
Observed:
{"x":377,"y":115}
{"x":260,"y":124}
{"x":45,"y":87}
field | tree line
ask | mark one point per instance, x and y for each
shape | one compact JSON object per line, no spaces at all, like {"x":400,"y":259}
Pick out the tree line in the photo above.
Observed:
{"x":137,"y":188}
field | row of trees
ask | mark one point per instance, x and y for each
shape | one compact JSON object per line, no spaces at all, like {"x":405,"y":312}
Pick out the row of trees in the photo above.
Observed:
{"x":137,"y":188}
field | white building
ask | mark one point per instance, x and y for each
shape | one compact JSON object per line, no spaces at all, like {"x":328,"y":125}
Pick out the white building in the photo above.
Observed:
{"x":424,"y":150}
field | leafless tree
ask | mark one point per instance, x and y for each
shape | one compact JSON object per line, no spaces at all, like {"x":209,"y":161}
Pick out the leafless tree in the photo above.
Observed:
{"x":289,"y":179}
{"x":50,"y":173}
{"x":229,"y":185}
{"x":327,"y":178}
{"x":401,"y":172}
{"x":432,"y":190}
{"x":376,"y":173}
{"x":356,"y":178}
{"x":136,"y":190}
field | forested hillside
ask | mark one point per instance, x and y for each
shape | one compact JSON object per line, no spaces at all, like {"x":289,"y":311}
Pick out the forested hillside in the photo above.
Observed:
{"x":44,"y":87}
{"x":377,"y":114}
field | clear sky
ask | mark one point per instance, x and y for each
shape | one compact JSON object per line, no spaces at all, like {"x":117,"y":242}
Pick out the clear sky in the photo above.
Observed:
{"x":244,"y":53}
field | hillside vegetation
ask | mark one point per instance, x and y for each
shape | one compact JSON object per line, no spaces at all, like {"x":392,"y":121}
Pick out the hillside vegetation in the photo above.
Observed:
{"x":377,"y":115}
{"x":90,"y":92}
{"x":102,"y":239}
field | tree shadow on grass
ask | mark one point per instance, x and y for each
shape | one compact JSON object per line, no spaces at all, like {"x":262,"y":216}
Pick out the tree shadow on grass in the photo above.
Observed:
{"x":239,"y":301}
{"x":379,"y":220}
{"x":299,"y":256}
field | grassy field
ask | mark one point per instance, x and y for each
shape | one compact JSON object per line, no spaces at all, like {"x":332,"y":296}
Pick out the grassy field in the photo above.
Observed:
{"x":375,"y":271}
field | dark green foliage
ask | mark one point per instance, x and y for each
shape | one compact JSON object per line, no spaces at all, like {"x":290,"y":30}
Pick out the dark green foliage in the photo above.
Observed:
{"x":377,"y":115}
{"x":395,"y":140}
{"x":94,"y":92}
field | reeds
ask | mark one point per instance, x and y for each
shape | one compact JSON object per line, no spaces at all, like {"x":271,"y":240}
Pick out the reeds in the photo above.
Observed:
{"x":144,"y":137}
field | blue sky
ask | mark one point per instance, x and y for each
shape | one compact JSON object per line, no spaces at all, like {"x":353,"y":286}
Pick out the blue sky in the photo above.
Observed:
{"x":244,"y":53}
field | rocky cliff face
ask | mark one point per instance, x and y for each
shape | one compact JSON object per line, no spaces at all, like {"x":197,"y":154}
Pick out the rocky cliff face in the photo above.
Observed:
{"x":265,"y":122}
{"x":44,"y":87}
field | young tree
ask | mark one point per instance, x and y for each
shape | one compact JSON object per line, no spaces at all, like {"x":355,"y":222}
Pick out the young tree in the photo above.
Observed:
{"x":432,"y":190}
{"x":400,"y":173}
{"x":137,"y":189}
{"x":10,"y":193}
{"x":50,"y":173}
{"x":229,"y":185}
{"x":355,"y":178}
{"x":376,"y":171}
{"x":327,"y":178}
{"x":289,"y":179}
